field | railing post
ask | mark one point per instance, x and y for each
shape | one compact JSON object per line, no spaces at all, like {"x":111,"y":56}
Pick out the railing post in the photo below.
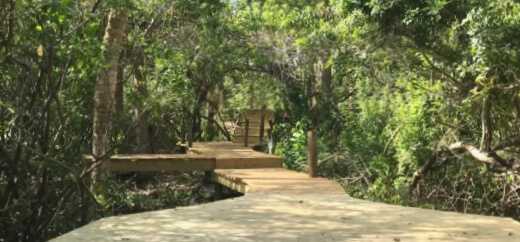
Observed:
{"x":246,"y":137}
{"x":270,"y":141}
{"x":262,"y":118}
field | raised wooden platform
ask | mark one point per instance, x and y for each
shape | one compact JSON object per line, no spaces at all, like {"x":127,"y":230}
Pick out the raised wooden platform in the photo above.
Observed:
{"x":282,"y":205}
{"x":312,"y":217}
{"x":275,"y":180}
{"x":230,"y":155}
{"x":201,"y":157}
{"x":159,"y":162}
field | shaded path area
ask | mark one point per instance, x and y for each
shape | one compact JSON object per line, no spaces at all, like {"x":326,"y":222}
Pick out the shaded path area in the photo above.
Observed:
{"x":283,"y":205}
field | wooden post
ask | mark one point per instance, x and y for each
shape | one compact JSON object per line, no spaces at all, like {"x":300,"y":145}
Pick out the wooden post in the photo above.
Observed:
{"x":262,"y":118}
{"x":190,"y":136}
{"x":270,"y":131}
{"x":246,"y":131}
{"x":270,"y":141}
{"x":313,"y":92}
{"x":312,"y":154}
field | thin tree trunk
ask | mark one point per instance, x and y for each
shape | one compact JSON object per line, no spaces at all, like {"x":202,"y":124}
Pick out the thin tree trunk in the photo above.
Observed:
{"x":252,"y":98}
{"x":487,"y":131}
{"x":195,"y":119}
{"x":321,"y":82}
{"x":214,"y":100}
{"x":313,"y":90}
{"x":8,"y":10}
{"x":326,"y":83}
{"x":312,"y":152}
{"x":105,"y":88}
{"x":119,"y":95}
{"x":143,"y":144}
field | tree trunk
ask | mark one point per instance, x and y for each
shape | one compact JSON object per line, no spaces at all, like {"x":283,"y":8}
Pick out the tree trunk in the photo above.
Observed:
{"x":326,"y":83}
{"x":214,"y":101}
{"x":487,"y":131}
{"x":7,"y":24}
{"x":105,"y":88}
{"x":313,"y":90}
{"x":119,"y":96}
{"x":194,"y":123}
{"x":252,"y":98}
{"x":142,"y":134}
{"x":312,"y":152}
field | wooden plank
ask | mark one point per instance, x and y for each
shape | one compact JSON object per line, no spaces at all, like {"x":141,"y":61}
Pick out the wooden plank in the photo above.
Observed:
{"x":252,"y":139}
{"x":234,"y":156}
{"x":275,"y":180}
{"x":248,"y":163}
{"x":264,"y":217}
{"x":233,"y":183}
{"x":159,"y":162}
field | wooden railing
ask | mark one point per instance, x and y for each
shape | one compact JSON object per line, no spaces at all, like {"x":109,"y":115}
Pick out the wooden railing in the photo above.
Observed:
{"x":254,"y":129}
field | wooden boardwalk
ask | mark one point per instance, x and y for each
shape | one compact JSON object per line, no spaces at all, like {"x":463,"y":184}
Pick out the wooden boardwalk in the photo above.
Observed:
{"x":275,"y":181}
{"x":230,"y":155}
{"x":201,"y":157}
{"x":159,"y":162}
{"x":245,"y":170}
{"x":282,"y":205}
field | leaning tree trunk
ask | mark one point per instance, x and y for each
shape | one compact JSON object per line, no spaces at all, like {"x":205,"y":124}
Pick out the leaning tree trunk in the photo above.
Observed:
{"x":105,"y":89}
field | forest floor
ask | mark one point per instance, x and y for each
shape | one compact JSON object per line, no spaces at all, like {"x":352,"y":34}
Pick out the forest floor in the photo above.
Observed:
{"x":141,"y":192}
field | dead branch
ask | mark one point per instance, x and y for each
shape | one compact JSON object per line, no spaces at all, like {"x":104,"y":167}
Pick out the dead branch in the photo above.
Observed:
{"x":484,"y":156}
{"x":223,"y":130}
{"x":488,"y":157}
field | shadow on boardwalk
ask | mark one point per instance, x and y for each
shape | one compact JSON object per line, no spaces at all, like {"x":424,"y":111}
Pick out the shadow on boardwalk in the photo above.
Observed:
{"x":311,"y":217}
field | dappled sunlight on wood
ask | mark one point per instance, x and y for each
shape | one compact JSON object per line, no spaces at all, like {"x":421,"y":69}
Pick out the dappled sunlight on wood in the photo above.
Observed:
{"x":284,"y":205}
{"x":276,"y":180}
{"x":277,"y":217}
{"x":235,"y":156}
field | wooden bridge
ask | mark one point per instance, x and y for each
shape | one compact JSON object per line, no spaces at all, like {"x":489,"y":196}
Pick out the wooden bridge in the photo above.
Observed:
{"x":232,"y":164}
{"x":279,"y":205}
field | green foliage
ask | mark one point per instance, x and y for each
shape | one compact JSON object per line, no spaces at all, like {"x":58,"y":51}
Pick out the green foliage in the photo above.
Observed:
{"x":146,"y":192}
{"x":408,"y":78}
{"x":292,"y":145}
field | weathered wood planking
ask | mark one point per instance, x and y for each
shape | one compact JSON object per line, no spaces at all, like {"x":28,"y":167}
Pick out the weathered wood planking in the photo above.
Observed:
{"x":255,"y":127}
{"x":266,"y":217}
{"x":230,"y":155}
{"x":159,"y":162}
{"x":275,"y":180}
{"x":283,"y":205}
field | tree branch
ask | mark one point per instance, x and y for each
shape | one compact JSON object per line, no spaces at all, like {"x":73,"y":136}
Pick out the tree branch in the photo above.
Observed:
{"x":484,"y":156}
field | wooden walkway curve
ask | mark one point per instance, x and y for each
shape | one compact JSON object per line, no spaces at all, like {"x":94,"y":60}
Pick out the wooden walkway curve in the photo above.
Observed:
{"x":245,"y":170}
{"x":283,"y":205}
